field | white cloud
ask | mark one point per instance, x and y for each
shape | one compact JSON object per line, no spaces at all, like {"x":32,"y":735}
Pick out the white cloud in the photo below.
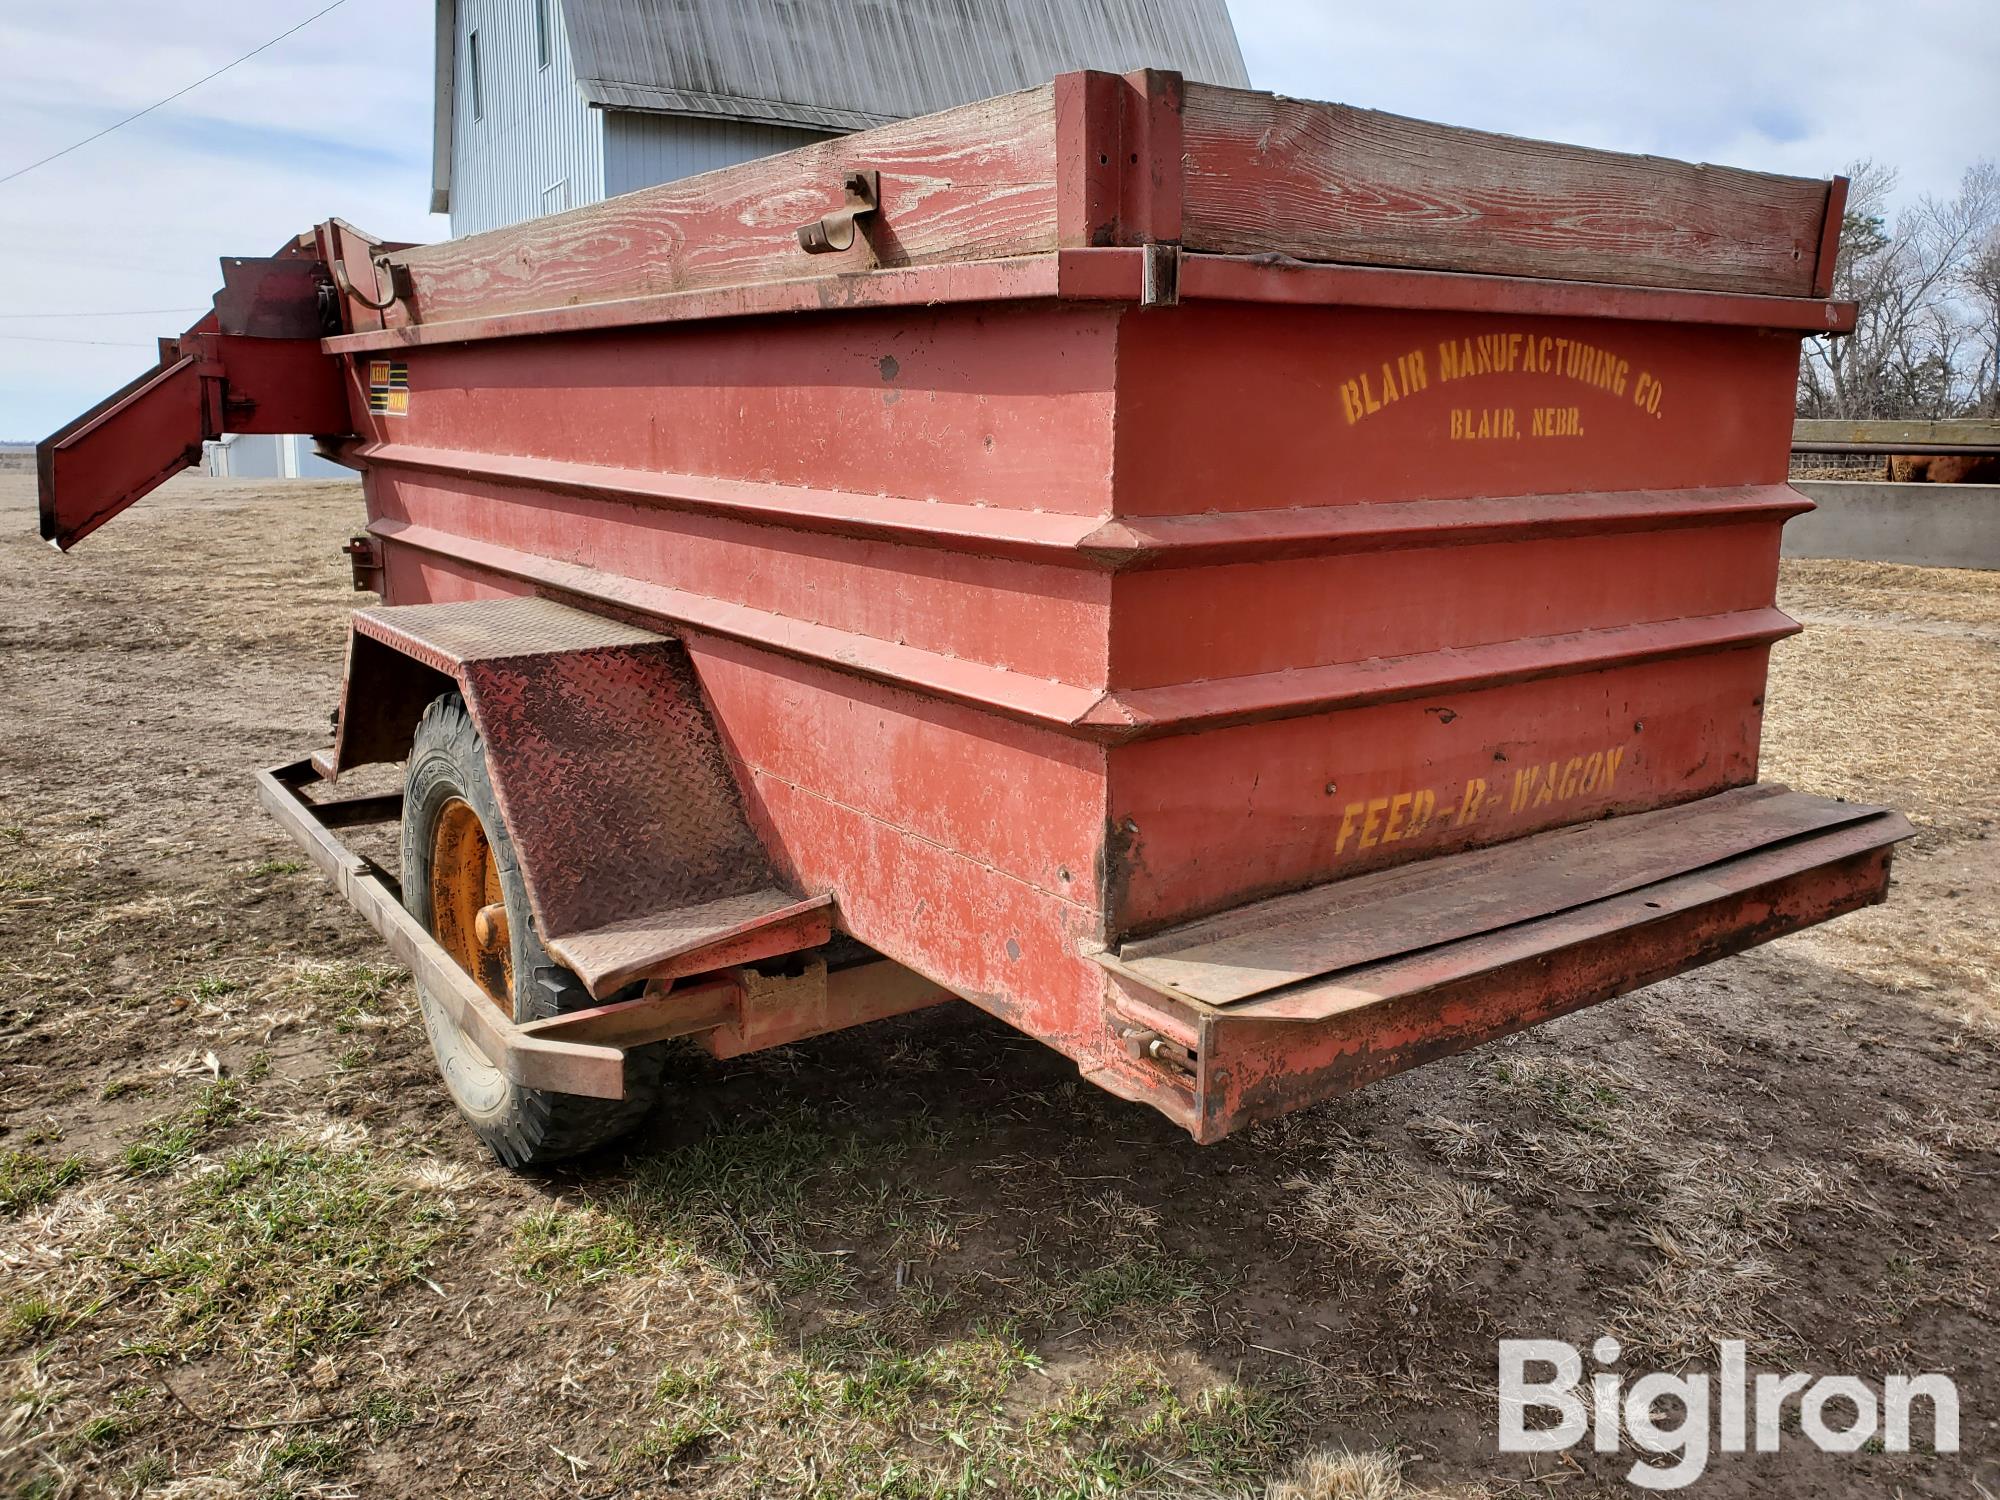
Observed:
{"x":1800,"y":86}
{"x":332,"y":121}
{"x":336,"y":121}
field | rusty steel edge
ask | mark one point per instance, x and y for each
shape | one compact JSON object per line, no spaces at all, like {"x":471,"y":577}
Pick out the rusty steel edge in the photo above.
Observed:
{"x":1118,"y":544}
{"x":597,"y":1072}
{"x":1125,"y":714}
{"x":1123,"y":274}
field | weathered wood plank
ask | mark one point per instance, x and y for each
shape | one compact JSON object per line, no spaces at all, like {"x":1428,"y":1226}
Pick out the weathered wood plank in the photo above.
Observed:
{"x":1376,"y":917}
{"x":965,"y":184}
{"x":1333,"y":183}
{"x":1959,"y":432}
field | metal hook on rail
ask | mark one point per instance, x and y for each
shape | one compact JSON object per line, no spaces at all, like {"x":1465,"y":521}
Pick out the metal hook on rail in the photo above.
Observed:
{"x":837,"y":231}
{"x":399,"y":283}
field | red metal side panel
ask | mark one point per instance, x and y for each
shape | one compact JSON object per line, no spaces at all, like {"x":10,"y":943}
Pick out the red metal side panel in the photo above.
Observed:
{"x":1185,"y":625}
{"x":281,"y":386}
{"x":1208,"y":820}
{"x":1040,"y":620}
{"x":121,"y":450}
{"x":981,"y":406}
{"x":1238,"y":408}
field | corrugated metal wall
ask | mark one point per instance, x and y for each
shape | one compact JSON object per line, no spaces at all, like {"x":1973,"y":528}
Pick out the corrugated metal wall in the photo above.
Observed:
{"x":641,"y":150}
{"x":536,"y":146}
{"x":848,"y":64}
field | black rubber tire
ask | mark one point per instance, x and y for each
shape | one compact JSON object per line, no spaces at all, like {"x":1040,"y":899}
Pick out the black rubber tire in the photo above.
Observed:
{"x":524,"y":1127}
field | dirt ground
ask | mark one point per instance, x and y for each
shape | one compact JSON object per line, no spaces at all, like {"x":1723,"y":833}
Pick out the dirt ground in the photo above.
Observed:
{"x":247,"y":1249}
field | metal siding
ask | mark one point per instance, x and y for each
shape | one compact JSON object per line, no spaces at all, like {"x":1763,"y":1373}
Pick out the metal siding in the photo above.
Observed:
{"x":643,"y":149}
{"x":537,"y":131}
{"x":848,"y":64}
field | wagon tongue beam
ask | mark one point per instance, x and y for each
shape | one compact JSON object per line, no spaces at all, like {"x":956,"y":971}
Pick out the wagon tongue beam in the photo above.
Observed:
{"x":253,"y":365}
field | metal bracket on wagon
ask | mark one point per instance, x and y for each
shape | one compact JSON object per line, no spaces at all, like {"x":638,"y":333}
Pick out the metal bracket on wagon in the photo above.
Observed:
{"x":837,"y":231}
{"x":734,"y":1010}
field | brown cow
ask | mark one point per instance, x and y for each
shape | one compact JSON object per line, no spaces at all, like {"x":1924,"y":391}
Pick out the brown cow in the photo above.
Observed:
{"x":1944,"y":468}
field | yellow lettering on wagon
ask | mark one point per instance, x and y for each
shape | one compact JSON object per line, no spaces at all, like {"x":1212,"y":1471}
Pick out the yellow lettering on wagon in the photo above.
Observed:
{"x":1507,"y":354}
{"x":1397,"y":817}
{"x":1562,"y":780}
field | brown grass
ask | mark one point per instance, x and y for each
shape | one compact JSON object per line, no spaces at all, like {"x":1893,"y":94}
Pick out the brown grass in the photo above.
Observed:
{"x":246,"y":1251}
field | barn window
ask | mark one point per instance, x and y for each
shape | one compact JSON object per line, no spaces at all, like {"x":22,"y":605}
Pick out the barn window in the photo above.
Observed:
{"x":472,"y":66}
{"x":542,"y":33}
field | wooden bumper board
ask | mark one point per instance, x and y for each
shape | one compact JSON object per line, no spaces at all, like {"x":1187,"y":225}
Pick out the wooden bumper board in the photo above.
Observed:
{"x":1567,"y":919}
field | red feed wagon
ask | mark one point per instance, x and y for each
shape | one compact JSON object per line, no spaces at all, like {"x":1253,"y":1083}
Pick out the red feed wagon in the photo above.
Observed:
{"x":1254,"y":593}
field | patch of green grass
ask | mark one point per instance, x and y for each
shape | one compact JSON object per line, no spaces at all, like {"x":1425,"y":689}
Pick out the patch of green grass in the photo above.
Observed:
{"x":349,"y":1060}
{"x":118,"y":1088}
{"x":173,"y":1140}
{"x":287,"y":1247}
{"x":101,"y":1431}
{"x":213,"y":987}
{"x":297,"y":1465}
{"x":359,"y":993}
{"x":570,"y":1246}
{"x":694,"y":1414}
{"x":29,"y":1318}
{"x":385,"y":1413}
{"x":151,"y":1470}
{"x":277,"y":867}
{"x":1145,"y":1280}
{"x":28,"y":1179}
{"x":1582,"y":1102}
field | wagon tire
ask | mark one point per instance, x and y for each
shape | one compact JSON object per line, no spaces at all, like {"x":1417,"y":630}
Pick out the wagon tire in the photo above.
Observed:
{"x":457,"y":859}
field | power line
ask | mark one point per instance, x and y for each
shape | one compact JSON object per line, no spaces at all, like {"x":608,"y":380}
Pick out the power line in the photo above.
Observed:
{"x":136,"y":312}
{"x":29,"y":338}
{"x":23,"y":171}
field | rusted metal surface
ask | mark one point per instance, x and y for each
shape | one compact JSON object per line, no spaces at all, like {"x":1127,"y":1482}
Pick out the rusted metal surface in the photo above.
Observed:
{"x":275,"y":297}
{"x":1266,"y":1060}
{"x":833,"y":233}
{"x":364,"y":559}
{"x":773,"y":1010}
{"x":632,"y":840}
{"x":580,"y":1051}
{"x":1162,"y":510}
{"x":570,"y":1067}
{"x":1268,"y":945}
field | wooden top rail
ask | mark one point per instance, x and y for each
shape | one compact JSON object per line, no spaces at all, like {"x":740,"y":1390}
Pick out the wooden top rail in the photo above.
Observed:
{"x":1100,"y":160}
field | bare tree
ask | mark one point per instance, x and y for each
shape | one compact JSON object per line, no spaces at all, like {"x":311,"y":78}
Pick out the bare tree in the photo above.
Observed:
{"x":1927,"y":332}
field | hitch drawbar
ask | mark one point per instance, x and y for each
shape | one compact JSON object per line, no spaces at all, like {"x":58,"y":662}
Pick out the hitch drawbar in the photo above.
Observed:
{"x":731,"y":1011}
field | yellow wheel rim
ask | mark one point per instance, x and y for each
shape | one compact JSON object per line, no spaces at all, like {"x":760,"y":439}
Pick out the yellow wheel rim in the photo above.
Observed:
{"x":468,"y":909}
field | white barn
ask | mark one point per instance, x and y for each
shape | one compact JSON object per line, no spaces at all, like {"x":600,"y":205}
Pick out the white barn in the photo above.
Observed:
{"x":544,"y":105}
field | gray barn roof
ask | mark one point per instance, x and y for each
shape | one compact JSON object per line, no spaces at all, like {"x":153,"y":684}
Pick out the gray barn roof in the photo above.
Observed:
{"x":841,"y":65}
{"x":850,"y":64}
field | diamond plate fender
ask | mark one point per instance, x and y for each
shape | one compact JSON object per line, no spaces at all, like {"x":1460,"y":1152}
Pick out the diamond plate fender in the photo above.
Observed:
{"x":633,"y":843}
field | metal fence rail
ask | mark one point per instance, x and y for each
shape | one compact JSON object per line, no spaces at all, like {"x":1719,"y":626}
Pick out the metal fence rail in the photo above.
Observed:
{"x":1971,"y":435}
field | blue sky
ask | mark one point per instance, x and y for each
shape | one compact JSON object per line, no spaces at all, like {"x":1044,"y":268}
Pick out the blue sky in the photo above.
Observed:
{"x":336,"y":121}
